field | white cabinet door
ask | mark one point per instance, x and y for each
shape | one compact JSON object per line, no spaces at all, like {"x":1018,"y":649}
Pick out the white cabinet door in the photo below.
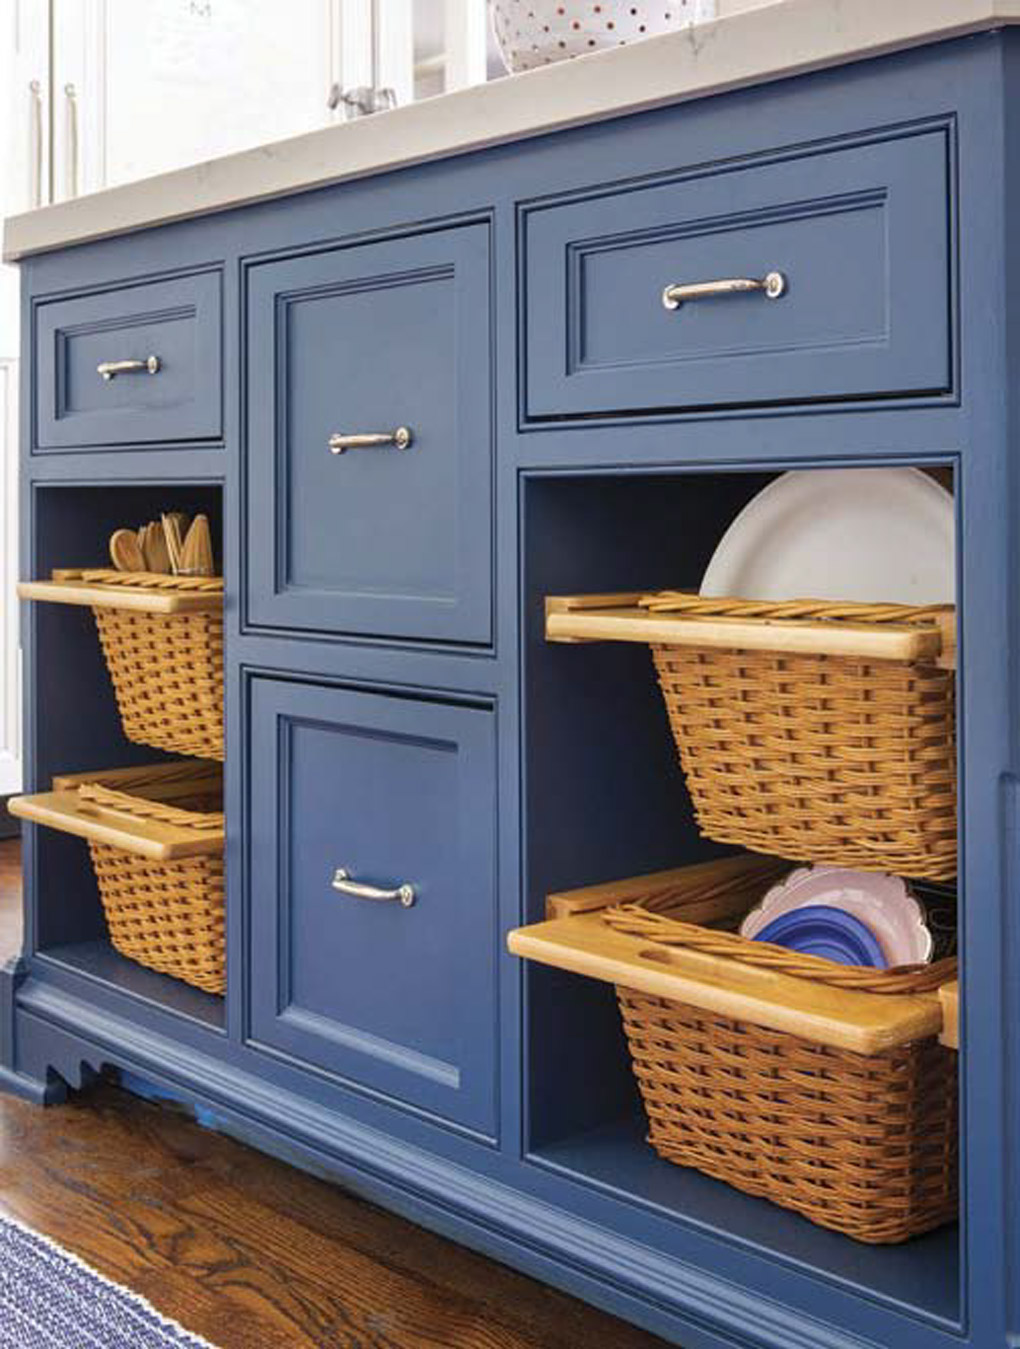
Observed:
{"x":174,"y":82}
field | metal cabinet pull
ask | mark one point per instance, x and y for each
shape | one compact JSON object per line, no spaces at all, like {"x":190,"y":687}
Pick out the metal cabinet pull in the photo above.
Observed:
{"x":772,"y":286}
{"x":110,"y":369}
{"x":36,"y":141}
{"x":400,"y":439}
{"x":71,"y":168}
{"x":403,"y":894}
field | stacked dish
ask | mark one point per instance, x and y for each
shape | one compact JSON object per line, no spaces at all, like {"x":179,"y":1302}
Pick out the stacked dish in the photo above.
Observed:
{"x":852,"y":917}
{"x":863,"y":535}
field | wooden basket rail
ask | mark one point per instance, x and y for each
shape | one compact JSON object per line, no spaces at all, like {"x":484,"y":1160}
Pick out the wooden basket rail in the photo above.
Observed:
{"x":651,"y":934}
{"x":139,"y":810}
{"x":924,"y":633}
{"x":144,"y":592}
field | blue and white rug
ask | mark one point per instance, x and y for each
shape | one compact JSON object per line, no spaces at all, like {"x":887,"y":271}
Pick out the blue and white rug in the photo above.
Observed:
{"x":49,"y":1299}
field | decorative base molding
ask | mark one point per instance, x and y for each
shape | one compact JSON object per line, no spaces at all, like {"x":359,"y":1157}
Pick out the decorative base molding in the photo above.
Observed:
{"x":50,"y":1090}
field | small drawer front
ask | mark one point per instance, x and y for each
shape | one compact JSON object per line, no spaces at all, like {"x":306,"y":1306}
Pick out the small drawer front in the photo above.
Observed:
{"x":130,"y":366}
{"x":389,"y":536}
{"x":859,"y":237}
{"x":396,"y":1000}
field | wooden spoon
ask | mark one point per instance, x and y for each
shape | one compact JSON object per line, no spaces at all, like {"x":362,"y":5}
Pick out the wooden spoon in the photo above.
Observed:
{"x":197,"y":553}
{"x":157,"y":557}
{"x":172,"y":537}
{"x":125,"y":552}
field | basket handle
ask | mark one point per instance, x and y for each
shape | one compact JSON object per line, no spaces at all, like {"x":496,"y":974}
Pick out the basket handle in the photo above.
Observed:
{"x":163,"y":838}
{"x":810,"y":627}
{"x":665,"y":934}
{"x":843,"y":1018}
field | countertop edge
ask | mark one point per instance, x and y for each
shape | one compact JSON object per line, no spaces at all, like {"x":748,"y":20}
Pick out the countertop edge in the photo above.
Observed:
{"x":758,"y":46}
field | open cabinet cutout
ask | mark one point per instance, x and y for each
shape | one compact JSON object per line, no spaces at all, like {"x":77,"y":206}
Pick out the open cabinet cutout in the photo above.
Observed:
{"x":77,"y":729}
{"x":605,"y":799}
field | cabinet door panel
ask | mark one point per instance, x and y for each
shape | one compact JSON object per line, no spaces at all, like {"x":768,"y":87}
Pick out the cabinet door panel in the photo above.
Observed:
{"x":377,"y":540}
{"x":860,"y":236}
{"x":396,"y":1000}
{"x":177,"y":322}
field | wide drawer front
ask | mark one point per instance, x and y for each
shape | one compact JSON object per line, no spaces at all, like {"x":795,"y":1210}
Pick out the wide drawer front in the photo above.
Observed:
{"x":129,"y":366}
{"x":370,"y":439}
{"x":373,"y":919}
{"x":841,"y":260}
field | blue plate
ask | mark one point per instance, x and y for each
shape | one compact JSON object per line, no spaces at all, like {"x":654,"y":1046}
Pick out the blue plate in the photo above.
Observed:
{"x":821,"y":930}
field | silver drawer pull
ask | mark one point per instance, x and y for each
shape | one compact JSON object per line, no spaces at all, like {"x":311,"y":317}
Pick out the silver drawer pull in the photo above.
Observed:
{"x":404,"y":894}
{"x":772,"y":285}
{"x":400,"y":439}
{"x":110,"y":369}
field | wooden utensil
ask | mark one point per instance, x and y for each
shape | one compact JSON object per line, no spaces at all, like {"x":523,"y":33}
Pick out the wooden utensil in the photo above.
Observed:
{"x":197,"y":553}
{"x":157,"y":556}
{"x":125,"y":553}
{"x":172,"y":537}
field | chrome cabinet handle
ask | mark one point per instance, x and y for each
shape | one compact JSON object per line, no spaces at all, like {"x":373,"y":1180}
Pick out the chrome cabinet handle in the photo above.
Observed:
{"x":403,"y":894}
{"x":110,"y":369}
{"x":400,"y":439}
{"x":71,"y":168}
{"x":772,"y":286}
{"x":36,"y":135}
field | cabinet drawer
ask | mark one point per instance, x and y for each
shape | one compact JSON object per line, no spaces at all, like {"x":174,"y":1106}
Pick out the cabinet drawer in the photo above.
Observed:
{"x":860,"y":236}
{"x":398,"y":1001}
{"x":362,"y":340}
{"x":166,"y":338}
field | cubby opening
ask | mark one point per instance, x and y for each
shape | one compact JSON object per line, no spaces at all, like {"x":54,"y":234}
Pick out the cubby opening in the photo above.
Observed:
{"x":76,"y":727}
{"x":605,"y":799}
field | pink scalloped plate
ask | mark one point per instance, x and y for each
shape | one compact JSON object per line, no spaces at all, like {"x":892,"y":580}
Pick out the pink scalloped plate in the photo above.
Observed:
{"x":882,"y":902}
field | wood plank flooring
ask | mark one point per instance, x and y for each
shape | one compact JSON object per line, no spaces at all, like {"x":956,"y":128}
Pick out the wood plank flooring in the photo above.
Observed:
{"x":249,"y":1252}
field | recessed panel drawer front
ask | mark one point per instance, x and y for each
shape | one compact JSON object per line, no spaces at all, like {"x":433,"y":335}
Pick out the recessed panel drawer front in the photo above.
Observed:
{"x":385,"y":989}
{"x":130,"y":366}
{"x":855,"y":241}
{"x":389,"y":536}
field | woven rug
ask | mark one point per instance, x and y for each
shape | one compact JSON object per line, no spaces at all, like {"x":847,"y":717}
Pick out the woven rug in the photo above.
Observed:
{"x":49,"y":1299}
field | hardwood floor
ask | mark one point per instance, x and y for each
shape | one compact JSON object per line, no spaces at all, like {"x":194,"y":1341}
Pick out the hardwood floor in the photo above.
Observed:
{"x":10,"y":898}
{"x":249,"y":1252}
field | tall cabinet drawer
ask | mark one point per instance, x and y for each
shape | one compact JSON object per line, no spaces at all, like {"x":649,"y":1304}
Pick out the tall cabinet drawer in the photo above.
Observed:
{"x":383,"y":977}
{"x":854,"y":240}
{"x":133,"y":365}
{"x":387,"y":537}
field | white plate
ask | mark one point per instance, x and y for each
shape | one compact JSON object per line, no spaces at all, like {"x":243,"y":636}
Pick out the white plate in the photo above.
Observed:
{"x":882,"y":902}
{"x":871,"y":535}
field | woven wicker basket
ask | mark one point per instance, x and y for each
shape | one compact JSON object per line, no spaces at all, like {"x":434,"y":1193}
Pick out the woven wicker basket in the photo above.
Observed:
{"x":811,"y":756}
{"x":162,"y":637}
{"x":156,"y":841}
{"x":865,"y":1143}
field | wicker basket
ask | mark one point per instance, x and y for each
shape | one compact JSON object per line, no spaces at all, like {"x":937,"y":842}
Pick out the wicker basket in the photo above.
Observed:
{"x":745,"y":1053}
{"x":801,"y":732}
{"x":156,"y":840}
{"x":162,"y":637}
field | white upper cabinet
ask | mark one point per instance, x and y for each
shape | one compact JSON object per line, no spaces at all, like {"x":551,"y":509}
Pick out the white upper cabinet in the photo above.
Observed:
{"x":141,"y":87}
{"x":174,"y":82}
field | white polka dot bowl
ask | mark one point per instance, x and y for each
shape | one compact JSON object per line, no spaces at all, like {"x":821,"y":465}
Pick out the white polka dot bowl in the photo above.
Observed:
{"x":533,"y":33}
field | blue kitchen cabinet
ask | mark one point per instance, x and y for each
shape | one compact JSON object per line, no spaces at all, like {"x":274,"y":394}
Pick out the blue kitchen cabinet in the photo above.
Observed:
{"x":392,"y":710}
